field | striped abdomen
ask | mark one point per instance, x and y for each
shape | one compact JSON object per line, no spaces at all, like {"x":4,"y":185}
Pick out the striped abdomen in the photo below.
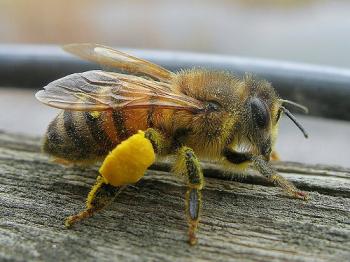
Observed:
{"x":87,"y":136}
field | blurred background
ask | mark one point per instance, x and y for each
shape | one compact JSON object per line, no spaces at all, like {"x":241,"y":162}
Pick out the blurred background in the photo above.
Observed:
{"x":295,"y":30}
{"x":306,"y":31}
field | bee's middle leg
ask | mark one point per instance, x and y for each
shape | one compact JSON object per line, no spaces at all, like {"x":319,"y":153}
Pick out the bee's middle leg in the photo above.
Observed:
{"x":187,"y":164}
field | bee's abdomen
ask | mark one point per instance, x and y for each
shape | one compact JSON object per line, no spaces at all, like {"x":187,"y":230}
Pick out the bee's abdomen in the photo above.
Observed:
{"x":85,"y":136}
{"x":80,"y":136}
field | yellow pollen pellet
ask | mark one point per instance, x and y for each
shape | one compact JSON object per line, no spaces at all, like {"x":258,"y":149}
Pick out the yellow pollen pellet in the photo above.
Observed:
{"x":128,"y":162}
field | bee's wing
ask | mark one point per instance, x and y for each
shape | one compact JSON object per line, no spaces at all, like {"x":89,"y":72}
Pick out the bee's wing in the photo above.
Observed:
{"x":99,"y":90}
{"x":109,"y":57}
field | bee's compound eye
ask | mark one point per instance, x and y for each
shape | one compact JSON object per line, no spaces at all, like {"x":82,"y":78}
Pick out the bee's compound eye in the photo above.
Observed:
{"x":213,"y":106}
{"x":260,"y":112}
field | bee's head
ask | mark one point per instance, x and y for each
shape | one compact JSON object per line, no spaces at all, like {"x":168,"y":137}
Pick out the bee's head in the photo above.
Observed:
{"x":262,"y":111}
{"x":261,"y":115}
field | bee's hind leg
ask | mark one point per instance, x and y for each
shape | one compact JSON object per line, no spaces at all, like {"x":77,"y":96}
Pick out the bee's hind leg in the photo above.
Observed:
{"x":101,"y":195}
{"x":187,"y":164}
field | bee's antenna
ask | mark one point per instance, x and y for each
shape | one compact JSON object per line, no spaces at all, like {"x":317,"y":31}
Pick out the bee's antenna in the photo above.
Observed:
{"x":304,"y":108}
{"x":289,"y":114}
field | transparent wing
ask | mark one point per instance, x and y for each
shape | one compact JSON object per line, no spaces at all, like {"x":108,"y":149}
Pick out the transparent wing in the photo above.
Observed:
{"x":99,"y":90}
{"x":109,"y":57}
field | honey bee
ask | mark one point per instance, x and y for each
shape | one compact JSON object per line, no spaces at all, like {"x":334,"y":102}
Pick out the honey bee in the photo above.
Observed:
{"x":192,"y":114}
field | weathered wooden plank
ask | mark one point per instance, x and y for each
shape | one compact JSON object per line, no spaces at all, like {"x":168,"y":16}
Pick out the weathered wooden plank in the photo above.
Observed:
{"x":244,"y":218}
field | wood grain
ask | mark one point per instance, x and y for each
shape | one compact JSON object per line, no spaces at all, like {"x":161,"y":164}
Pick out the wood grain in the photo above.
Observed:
{"x":244,"y":218}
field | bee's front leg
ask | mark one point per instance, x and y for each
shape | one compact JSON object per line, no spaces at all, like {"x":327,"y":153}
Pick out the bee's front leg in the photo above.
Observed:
{"x":101,"y":195}
{"x":188,"y":165}
{"x":266,"y":170}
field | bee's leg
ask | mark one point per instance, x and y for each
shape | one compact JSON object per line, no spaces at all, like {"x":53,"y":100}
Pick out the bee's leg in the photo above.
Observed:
{"x":187,"y":164}
{"x":101,"y":194}
{"x":156,"y":138}
{"x":266,"y":170}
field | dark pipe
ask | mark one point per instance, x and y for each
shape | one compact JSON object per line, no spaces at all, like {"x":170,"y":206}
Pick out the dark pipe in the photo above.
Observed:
{"x":325,"y":90}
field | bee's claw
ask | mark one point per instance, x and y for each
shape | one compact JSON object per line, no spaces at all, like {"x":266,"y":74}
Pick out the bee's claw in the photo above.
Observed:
{"x":68,"y":223}
{"x":71,"y":220}
{"x":192,"y":239}
{"x":301,"y":195}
